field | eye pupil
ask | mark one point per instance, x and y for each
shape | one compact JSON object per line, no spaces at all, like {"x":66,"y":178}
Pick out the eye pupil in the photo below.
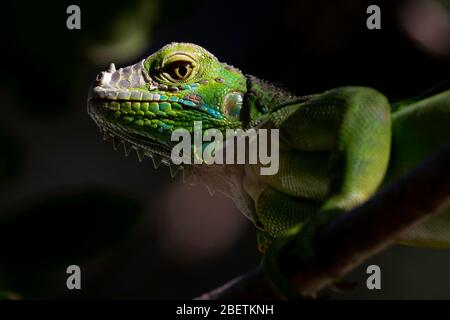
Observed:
{"x":179,"y":70}
{"x":182,"y":71}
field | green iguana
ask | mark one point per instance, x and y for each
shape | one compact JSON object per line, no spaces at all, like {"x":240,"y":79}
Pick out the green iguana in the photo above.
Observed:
{"x":337,"y":148}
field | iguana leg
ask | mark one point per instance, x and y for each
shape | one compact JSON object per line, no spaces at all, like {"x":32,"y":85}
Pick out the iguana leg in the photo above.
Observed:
{"x":264,"y":240}
{"x":280,"y":215}
{"x":278,"y":211}
{"x":354,"y":124}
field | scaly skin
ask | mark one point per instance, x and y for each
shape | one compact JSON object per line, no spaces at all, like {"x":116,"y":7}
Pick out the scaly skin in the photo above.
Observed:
{"x":336,"y":148}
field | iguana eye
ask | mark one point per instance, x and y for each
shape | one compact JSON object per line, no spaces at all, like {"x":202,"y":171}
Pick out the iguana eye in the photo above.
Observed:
{"x":179,"y":70}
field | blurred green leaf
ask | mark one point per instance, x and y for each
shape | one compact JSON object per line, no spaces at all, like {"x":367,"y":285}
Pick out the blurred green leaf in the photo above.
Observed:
{"x":8,"y":295}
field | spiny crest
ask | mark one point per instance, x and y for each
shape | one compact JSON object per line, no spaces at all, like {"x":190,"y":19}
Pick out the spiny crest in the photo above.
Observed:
{"x":141,"y":153}
{"x":188,"y":175}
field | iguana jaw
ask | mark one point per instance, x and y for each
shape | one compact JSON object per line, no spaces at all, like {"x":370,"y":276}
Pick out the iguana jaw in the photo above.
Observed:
{"x":159,"y":153}
{"x":143,"y":125}
{"x":146,"y":125}
{"x":214,"y":178}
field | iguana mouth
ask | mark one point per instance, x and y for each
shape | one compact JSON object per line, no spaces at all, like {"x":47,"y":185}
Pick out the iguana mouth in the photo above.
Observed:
{"x":142,"y":121}
{"x":130,"y":139}
{"x":148,"y":121}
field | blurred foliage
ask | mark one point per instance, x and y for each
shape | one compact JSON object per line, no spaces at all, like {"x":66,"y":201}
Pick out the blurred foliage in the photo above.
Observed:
{"x":57,"y":231}
{"x":445,"y":3}
{"x":123,"y":30}
{"x":7,"y":295}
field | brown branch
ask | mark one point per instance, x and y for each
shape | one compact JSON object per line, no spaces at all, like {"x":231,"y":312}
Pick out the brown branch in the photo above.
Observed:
{"x":350,"y":239}
{"x":249,"y":286}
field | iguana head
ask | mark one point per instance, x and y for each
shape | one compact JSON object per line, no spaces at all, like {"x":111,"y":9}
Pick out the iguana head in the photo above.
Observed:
{"x":142,"y":104}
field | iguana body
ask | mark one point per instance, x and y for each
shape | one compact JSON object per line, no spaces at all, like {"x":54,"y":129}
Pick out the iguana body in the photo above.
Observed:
{"x":336,"y":148}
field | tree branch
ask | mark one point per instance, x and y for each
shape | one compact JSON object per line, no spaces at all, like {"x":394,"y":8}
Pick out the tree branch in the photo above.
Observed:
{"x":352,"y":238}
{"x":249,"y":286}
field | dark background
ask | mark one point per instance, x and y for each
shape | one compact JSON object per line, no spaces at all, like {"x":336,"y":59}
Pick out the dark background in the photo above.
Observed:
{"x":67,"y":198}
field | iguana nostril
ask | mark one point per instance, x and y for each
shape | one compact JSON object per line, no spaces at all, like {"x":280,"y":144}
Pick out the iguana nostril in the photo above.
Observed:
{"x":99,"y":77}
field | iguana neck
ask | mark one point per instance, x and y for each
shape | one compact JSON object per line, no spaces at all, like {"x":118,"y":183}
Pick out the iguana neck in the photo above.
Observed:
{"x":226,"y":179}
{"x":262,"y":98}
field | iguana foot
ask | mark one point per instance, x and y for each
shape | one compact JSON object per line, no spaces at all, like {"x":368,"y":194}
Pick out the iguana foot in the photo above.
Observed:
{"x":304,"y":242}
{"x":301,"y":244}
